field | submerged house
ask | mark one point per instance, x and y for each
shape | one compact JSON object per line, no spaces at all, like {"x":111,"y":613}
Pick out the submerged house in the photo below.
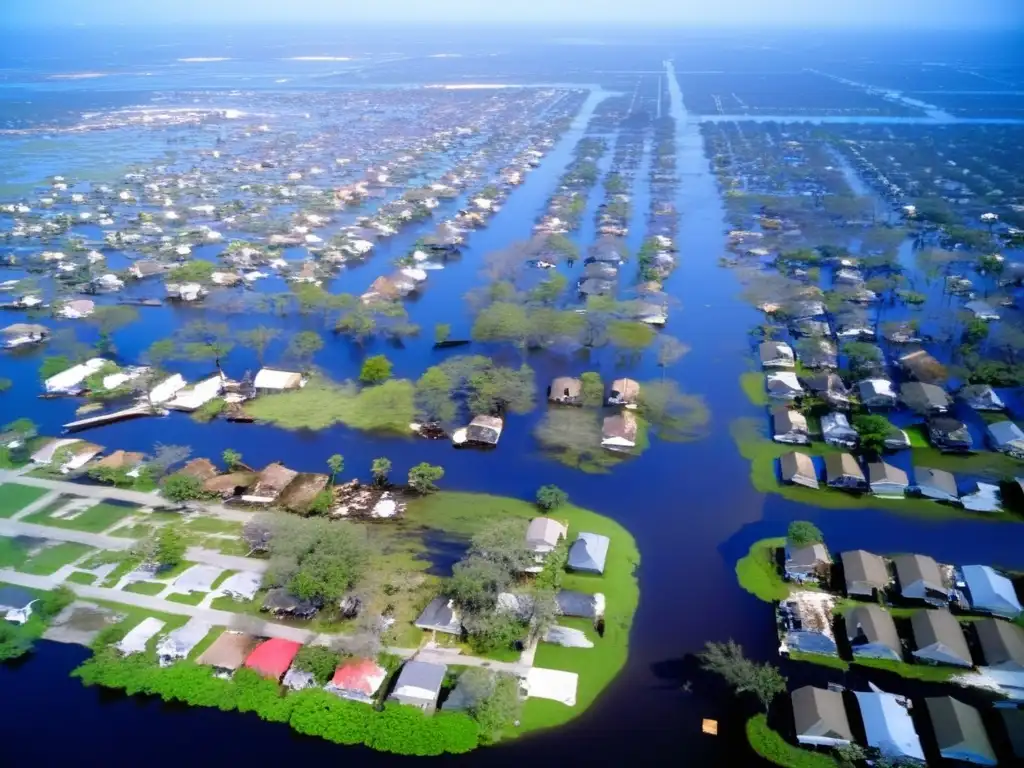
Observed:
{"x":872,"y":633}
{"x":920,"y":578}
{"x":949,"y":435}
{"x":618,"y":432}
{"x":484,"y":430}
{"x":624,"y":392}
{"x":566,"y":390}
{"x":981,"y":497}
{"x":924,"y":398}
{"x":776,"y":354}
{"x":798,"y":468}
{"x":440,"y":616}
{"x":989,"y":591}
{"x":959,"y":731}
{"x":789,"y":426}
{"x":865,"y":573}
{"x":69,"y":382}
{"x":16,"y":604}
{"x":419,"y":685}
{"x":1006,"y":437}
{"x":888,"y":725}
{"x":1002,"y":651}
{"x":269,"y":380}
{"x":805,"y":623}
{"x":270,"y":483}
{"x":836,"y":430}
{"x":843,"y":471}
{"x":981,"y":397}
{"x":876,"y":393}
{"x":938,"y":638}
{"x":936,"y":484}
{"x":887,"y":481}
{"x":588,"y":553}
{"x":830,"y":388}
{"x":783,"y":385}
{"x":923,"y":366}
{"x":982,"y":311}
{"x":820,"y":717}
{"x":810,"y":563}
{"x":23,"y":334}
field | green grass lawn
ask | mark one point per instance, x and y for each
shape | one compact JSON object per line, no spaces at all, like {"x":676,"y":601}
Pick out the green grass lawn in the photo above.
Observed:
{"x":133,"y":615}
{"x":929,"y":673}
{"x":206,"y":642}
{"x":213,"y":525}
{"x":53,"y":558}
{"x":81,"y":577}
{"x":221,"y":579}
{"x":192,"y":598}
{"x":752,"y":384}
{"x":135,"y":531}
{"x":14,"y":497}
{"x":95,"y":519}
{"x":123,"y":568}
{"x":821,"y":659}
{"x":772,"y":747}
{"x":145,"y":587}
{"x":758,"y":573}
{"x":13,"y":552}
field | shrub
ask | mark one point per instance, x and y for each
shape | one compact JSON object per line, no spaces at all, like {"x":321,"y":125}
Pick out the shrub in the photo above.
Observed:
{"x":551,"y":497}
{"x":423,"y":476}
{"x":375,"y":370}
{"x":183,"y":488}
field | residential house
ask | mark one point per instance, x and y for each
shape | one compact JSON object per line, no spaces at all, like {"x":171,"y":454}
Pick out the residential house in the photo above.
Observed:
{"x":69,"y":382}
{"x":887,"y":481}
{"x":949,"y":435}
{"x":72,"y":453}
{"x":936,"y":484}
{"x":16,"y":604}
{"x":419,"y":685}
{"x":989,"y":591}
{"x":810,"y":563}
{"x":1006,"y":437}
{"x":920,"y":578}
{"x":897,"y":440}
{"x":594,"y":287}
{"x":270,"y":483}
{"x":798,"y":469}
{"x":187,"y":292}
{"x":146,"y":268}
{"x":230,"y":486}
{"x":876,"y":393}
{"x":280,"y":602}
{"x":872,"y":633}
{"x":980,"y":497}
{"x":270,"y":380}
{"x":272,"y":657}
{"x":938,"y":638}
{"x":358,"y":680}
{"x":543,"y":535}
{"x":789,"y":426}
{"x":982,"y":311}
{"x":301,"y":492}
{"x":820,"y":717}
{"x":77,"y":309}
{"x":588,"y":553}
{"x":830,"y":388}
{"x":178,"y":643}
{"x":959,"y":731}
{"x":618,"y":432}
{"x":843,"y":471}
{"x":836,"y":430}
{"x":923,"y":366}
{"x":865,"y":573}
{"x":818,"y":353}
{"x":783,"y":385}
{"x":228,"y":652}
{"x":804,"y":621}
{"x":981,"y":397}
{"x":566,"y":391}
{"x":23,"y":334}
{"x":924,"y":398}
{"x":192,"y":398}
{"x":440,"y":616}
{"x":776,"y":354}
{"x":624,"y":392}
{"x":1002,"y":651}
{"x":888,"y":725}
{"x":484,"y":430}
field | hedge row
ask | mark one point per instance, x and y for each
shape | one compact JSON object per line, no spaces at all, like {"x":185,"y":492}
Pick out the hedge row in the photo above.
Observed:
{"x":395,"y":728}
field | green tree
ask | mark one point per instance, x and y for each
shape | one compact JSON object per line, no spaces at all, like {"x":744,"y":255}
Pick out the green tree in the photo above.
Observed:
{"x":194,"y":271}
{"x":317,"y":559}
{"x":258,"y":339}
{"x":375,"y":370}
{"x":476,"y":582}
{"x":671,"y":414}
{"x":504,"y":543}
{"x":550,"y":497}
{"x":336,"y":463}
{"x":670,"y":350}
{"x":593,"y":388}
{"x":548,"y":291}
{"x":201,"y":341}
{"x":802,"y":533}
{"x":319,"y":661}
{"x":232,"y":458}
{"x":181,"y":488}
{"x":166,"y":547}
{"x":493,"y":630}
{"x":322,"y":503}
{"x":496,"y":703}
{"x":54,"y":364}
{"x":741,"y":674}
{"x":380,"y":469}
{"x":423,"y":476}
{"x":874,"y":430}
{"x":503,"y":322}
{"x":442,"y":332}
{"x":303,"y":346}
{"x":160,"y":352}
{"x":434,"y":396}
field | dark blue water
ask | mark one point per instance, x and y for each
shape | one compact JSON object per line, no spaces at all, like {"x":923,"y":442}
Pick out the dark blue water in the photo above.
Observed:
{"x":690,"y":506}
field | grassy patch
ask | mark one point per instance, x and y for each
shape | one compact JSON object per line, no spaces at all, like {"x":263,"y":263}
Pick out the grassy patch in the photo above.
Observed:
{"x":821,"y":659}
{"x":926,"y":672}
{"x":123,"y":568}
{"x":51,"y":559}
{"x":249,"y":607}
{"x":133,"y":616}
{"x":13,"y":552}
{"x":322,"y":403}
{"x":14,"y":497}
{"x":95,"y":519}
{"x":917,"y":437}
{"x":145,"y":588}
{"x":222,"y":578}
{"x":81,"y":577}
{"x":206,"y":642}
{"x":772,"y":747}
{"x":192,"y":598}
{"x":988,"y":464}
{"x":758,"y":573}
{"x":213,"y":525}
{"x":752,"y":384}
{"x":135,"y":531}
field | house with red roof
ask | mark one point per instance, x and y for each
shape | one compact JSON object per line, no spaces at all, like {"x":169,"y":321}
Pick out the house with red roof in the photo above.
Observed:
{"x":358,"y":680}
{"x":272,"y":657}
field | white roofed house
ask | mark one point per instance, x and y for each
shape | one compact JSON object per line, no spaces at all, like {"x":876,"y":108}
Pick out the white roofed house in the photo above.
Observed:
{"x":876,"y":393}
{"x":836,"y":430}
{"x":789,"y":426}
{"x":178,"y":644}
{"x":16,"y":604}
{"x":589,"y":553}
{"x":783,"y":385}
{"x":888,"y":725}
{"x":776,"y":354}
{"x":69,"y":382}
{"x":887,"y":481}
{"x":23,"y":334}
{"x":936,"y":484}
{"x":989,"y":591}
{"x":1006,"y":437}
{"x":543,"y":535}
{"x":270,"y":380}
{"x":69,"y":453}
{"x":982,"y":310}
{"x":981,"y":397}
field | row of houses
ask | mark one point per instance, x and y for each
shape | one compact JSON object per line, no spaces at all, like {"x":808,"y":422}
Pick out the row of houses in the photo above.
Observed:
{"x":887,"y":725}
{"x":618,"y":430}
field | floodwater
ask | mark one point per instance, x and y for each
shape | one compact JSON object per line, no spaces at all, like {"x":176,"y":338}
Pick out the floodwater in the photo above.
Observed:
{"x":690,"y":506}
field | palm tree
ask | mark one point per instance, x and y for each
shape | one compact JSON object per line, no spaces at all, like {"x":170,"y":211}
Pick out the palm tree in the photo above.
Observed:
{"x":380,"y":469}
{"x":231,"y":458}
{"x":336,"y":463}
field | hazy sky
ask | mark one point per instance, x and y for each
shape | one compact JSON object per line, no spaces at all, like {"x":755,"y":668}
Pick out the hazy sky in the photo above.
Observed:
{"x":928,"y":13}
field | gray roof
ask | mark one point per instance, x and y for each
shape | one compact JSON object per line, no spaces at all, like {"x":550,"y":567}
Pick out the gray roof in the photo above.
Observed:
{"x":919,"y":395}
{"x":588,"y":552}
{"x":577,"y":604}
{"x":440,"y":615}
{"x":786,"y":420}
{"x":959,"y":730}
{"x":812,"y":554}
{"x":911,"y":568}
{"x":796,"y":463}
{"x":940,"y":628}
{"x":771,"y":350}
{"x":842,"y":465}
{"x":15,"y":597}
{"x":820,"y":712}
{"x":875,"y":625}
{"x":880,"y":472}
{"x":1013,"y":720}
{"x":1005,"y":432}
{"x":1001,"y":642}
{"x":422,"y":674}
{"x":865,"y":567}
{"x":939,"y":479}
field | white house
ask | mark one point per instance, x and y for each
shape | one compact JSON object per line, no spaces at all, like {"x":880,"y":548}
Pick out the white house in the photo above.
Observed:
{"x":270,"y":380}
{"x":783,"y":385}
{"x":69,"y":382}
